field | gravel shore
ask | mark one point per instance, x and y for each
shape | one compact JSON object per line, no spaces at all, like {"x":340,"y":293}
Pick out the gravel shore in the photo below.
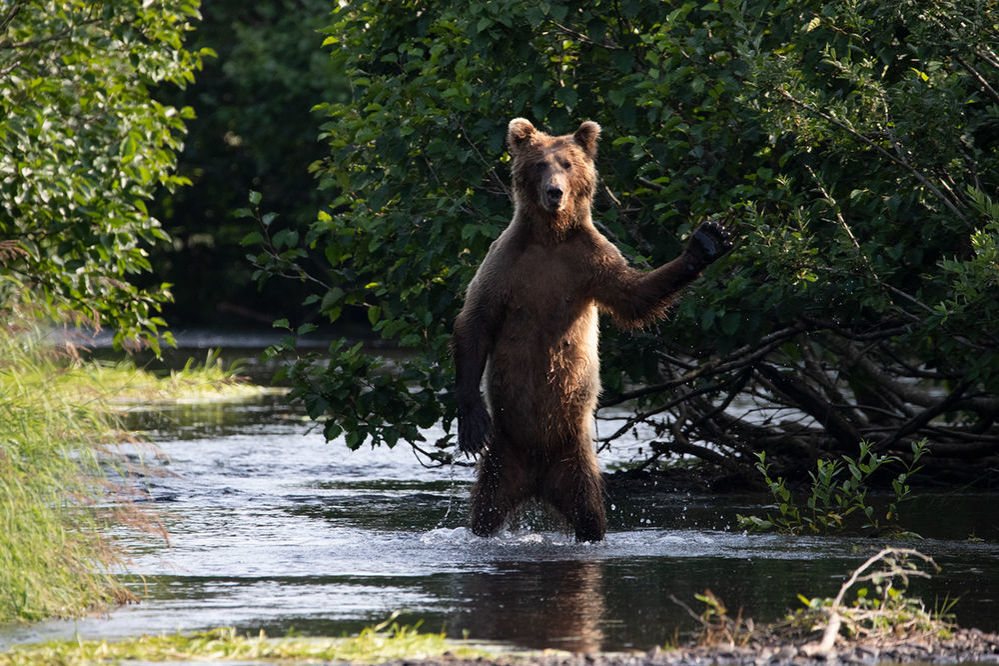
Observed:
{"x":965,"y":646}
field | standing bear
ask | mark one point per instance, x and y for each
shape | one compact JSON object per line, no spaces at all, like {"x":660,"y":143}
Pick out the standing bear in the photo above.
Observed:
{"x":529,"y":323}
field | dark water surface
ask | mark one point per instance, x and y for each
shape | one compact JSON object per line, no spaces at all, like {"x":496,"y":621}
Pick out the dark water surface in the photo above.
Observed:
{"x":272,"y":528}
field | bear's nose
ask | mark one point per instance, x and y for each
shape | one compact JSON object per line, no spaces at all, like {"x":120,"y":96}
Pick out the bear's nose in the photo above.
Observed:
{"x":554,"y":194}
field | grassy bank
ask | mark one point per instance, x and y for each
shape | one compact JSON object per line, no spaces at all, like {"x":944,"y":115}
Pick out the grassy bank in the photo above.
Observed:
{"x":57,"y":416}
{"x":373,"y":645}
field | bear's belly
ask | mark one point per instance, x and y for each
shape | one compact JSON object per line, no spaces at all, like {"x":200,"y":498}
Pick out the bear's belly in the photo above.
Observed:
{"x":543,"y":378}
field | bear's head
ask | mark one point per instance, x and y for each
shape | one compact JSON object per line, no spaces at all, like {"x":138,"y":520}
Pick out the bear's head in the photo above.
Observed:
{"x":554,"y":177}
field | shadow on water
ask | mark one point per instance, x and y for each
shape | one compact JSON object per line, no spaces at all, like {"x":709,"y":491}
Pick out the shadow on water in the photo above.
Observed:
{"x":272,"y":528}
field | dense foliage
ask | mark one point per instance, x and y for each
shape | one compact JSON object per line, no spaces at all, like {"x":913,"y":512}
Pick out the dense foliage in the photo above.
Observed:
{"x":83,"y":147}
{"x":253,"y":130}
{"x":854,"y":146}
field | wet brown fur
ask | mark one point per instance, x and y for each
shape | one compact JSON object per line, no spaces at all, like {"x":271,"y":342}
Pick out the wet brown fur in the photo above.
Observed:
{"x":530,"y":315}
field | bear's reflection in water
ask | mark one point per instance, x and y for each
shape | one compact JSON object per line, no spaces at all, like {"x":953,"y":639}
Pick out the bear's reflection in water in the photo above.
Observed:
{"x":556,"y":604}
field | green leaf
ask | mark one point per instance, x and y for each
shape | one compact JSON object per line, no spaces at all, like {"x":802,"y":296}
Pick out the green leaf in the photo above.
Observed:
{"x":252,"y":238}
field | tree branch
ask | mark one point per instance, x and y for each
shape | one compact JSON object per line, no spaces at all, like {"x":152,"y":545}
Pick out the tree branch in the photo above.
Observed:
{"x":924,"y":417}
{"x":686,"y":448}
{"x":11,"y":13}
{"x":727,"y":364}
{"x":807,"y":400}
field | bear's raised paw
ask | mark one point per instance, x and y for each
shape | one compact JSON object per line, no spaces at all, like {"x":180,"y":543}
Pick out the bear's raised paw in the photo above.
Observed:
{"x":708,"y":242}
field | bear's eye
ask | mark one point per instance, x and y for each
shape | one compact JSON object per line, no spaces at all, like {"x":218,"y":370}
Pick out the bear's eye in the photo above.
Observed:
{"x":566,"y":164}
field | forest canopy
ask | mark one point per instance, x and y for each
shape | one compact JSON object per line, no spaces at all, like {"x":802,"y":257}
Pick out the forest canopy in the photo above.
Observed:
{"x":851,"y":146}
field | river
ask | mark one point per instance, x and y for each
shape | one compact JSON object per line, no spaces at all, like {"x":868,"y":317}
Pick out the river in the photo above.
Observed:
{"x":271,"y":528}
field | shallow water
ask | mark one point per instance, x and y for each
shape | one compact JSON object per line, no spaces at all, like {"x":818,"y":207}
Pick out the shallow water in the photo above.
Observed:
{"x":272,"y":528}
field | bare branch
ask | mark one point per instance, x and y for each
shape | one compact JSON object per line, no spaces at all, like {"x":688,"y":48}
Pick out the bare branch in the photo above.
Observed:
{"x":704,"y":453}
{"x":924,"y":417}
{"x":893,"y":559}
{"x":806,"y":399}
{"x":749,"y":354}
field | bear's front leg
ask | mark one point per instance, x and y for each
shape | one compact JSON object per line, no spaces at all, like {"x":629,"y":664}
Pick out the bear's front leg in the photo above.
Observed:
{"x":470,"y":344}
{"x":635,"y":298}
{"x":474,"y":427}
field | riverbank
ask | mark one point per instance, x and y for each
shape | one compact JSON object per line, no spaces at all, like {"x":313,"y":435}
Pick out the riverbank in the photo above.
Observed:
{"x":965,"y":646}
{"x":404,"y":647}
{"x":62,"y":487}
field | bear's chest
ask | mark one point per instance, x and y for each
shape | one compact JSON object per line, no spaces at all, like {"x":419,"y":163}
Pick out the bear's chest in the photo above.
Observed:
{"x":547,"y":291}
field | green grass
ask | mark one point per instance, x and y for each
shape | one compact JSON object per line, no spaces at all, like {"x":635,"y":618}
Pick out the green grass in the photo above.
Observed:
{"x":373,"y":645}
{"x":54,"y":559}
{"x":121,"y":384}
{"x":56,"y":420}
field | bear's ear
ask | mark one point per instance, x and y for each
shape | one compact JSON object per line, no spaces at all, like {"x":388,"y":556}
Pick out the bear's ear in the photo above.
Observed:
{"x":586,"y":136}
{"x":519,"y":133}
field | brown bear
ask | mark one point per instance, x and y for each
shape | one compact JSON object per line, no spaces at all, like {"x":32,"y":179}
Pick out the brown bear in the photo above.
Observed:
{"x":529,"y":323}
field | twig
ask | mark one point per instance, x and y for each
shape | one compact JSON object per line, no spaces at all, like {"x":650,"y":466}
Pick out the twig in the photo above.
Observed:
{"x":706,"y":454}
{"x":752,"y":354}
{"x":489,"y":164}
{"x":607,"y":44}
{"x":924,"y":417}
{"x":642,"y":416}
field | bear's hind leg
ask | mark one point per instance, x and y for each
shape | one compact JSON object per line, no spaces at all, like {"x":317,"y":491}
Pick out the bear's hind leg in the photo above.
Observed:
{"x":575,"y":488}
{"x":500,"y":488}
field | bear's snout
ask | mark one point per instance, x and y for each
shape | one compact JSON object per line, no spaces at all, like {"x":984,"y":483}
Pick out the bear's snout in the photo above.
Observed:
{"x":553,"y":196}
{"x":552,"y":190}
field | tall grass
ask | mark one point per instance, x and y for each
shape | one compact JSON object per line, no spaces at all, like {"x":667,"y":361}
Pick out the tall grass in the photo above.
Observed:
{"x":55,"y":559}
{"x":61,"y":489}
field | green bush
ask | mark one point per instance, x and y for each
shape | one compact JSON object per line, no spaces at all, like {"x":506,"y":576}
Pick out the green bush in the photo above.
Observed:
{"x":839,"y":496}
{"x":852,"y":146}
